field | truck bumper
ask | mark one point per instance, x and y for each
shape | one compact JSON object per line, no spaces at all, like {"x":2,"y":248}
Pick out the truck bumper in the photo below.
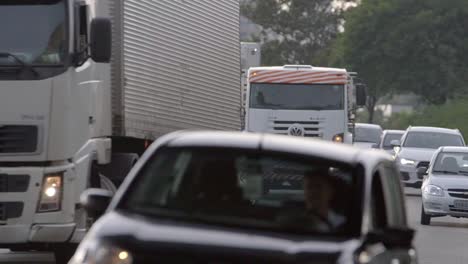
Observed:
{"x":19,"y":220}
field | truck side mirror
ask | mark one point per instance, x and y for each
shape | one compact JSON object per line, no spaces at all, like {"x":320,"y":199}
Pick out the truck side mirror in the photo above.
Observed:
{"x":101,"y":40}
{"x":361,"y":95}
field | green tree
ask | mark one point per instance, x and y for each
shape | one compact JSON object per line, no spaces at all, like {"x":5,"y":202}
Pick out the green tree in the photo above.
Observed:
{"x":295,"y":31}
{"x":418,"y":46}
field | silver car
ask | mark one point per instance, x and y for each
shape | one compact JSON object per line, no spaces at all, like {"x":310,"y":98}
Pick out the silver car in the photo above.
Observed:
{"x":367,"y":135}
{"x":417,"y":147}
{"x":387,"y":137}
{"x":445,"y":186}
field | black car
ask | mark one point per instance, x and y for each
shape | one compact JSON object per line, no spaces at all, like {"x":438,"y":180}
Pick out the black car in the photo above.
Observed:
{"x":227,"y":197}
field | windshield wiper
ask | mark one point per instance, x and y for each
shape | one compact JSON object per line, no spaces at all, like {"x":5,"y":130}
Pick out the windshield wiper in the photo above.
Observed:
{"x":20,"y":61}
{"x":445,"y":172}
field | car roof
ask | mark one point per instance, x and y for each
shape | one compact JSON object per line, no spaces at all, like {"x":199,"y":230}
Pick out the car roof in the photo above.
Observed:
{"x":366,"y":125}
{"x":394,"y":131}
{"x":270,"y":142}
{"x":434,"y":129}
{"x":455,"y":149}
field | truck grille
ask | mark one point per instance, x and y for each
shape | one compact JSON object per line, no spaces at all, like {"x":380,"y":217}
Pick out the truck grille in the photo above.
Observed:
{"x":14,"y":183}
{"x":18,"y":139}
{"x":310,"y":128}
{"x":10,"y":210}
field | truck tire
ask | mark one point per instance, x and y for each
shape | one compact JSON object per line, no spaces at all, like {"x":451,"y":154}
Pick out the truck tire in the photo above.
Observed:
{"x":64,"y":252}
{"x":425,"y":218}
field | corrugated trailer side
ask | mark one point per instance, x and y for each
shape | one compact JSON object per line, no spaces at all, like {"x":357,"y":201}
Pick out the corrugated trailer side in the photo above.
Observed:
{"x":180,"y":66}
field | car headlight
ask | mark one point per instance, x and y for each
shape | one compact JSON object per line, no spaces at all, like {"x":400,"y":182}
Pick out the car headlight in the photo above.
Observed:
{"x":51,"y":193}
{"x":433,"y":190}
{"x":101,"y":253}
{"x":407,"y":162}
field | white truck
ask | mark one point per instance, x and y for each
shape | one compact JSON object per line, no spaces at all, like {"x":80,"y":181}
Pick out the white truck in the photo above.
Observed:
{"x":86,"y":85}
{"x":250,"y":57}
{"x":301,"y":100}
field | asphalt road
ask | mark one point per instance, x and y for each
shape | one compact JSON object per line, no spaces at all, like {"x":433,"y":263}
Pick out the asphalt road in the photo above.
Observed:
{"x":443,"y":242}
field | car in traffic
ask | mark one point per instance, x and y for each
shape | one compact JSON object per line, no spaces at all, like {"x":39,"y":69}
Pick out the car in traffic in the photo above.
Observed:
{"x":367,"y":135}
{"x":445,"y":185}
{"x":416,"y":148}
{"x":388,"y":136}
{"x":230,"y":197}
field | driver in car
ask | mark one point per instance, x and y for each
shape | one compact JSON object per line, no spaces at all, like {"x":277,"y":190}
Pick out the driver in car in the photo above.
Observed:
{"x":320,"y":188}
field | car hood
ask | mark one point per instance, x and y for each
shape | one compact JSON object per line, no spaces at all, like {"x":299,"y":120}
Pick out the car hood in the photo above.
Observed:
{"x":450,"y":181}
{"x":172,"y":239}
{"x":418,"y":154}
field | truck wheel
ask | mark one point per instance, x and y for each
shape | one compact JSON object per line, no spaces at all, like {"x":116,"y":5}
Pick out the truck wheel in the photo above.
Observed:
{"x":64,"y":252}
{"x":425,"y":218}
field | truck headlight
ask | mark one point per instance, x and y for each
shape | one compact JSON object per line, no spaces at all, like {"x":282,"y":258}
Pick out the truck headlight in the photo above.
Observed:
{"x":51,"y":193}
{"x":433,"y":190}
{"x":339,"y":138}
{"x":101,"y":253}
{"x":407,"y":162}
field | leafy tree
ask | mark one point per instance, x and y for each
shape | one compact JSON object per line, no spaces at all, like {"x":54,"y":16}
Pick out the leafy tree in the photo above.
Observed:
{"x":295,"y":31}
{"x":418,"y":46}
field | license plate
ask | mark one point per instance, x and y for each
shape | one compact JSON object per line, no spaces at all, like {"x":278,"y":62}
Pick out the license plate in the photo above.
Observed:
{"x":461,"y":204}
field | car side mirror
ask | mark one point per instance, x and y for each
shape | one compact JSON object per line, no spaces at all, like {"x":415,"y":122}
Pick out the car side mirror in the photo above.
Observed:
{"x":391,"y":237}
{"x":101,"y":40}
{"x":95,"y":201}
{"x":421,"y":172}
{"x":361,"y":95}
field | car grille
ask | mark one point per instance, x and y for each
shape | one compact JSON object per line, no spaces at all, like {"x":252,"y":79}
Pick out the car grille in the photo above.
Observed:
{"x":14,"y":183}
{"x":423,"y":164}
{"x":18,"y":139}
{"x":404,"y":175}
{"x":458,"y":193}
{"x":10,"y":210}
{"x":311,"y":128}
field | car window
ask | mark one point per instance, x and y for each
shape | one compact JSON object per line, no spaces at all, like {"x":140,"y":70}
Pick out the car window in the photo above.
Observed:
{"x":389,"y":137}
{"x":431,"y":140}
{"x":394,"y":196}
{"x":367,"y":134}
{"x":451,"y":163}
{"x":273,"y":191}
{"x":378,"y":209}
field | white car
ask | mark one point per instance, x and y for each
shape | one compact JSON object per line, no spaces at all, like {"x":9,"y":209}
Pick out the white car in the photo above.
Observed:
{"x":445,"y":186}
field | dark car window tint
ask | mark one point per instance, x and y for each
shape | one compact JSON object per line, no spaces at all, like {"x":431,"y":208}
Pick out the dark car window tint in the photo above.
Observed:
{"x":252,"y":189}
{"x":431,"y":140}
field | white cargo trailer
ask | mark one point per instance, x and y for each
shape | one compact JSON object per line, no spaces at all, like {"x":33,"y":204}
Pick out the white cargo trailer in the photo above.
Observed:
{"x":70,"y":120}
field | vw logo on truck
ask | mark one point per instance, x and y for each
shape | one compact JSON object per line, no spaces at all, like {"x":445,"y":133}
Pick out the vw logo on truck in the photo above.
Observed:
{"x":296,"y":130}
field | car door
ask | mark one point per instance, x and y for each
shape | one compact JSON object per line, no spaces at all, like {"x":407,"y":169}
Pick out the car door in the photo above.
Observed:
{"x":387,"y":210}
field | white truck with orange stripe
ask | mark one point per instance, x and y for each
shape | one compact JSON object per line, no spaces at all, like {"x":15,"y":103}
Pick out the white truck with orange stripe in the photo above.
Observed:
{"x":301,"y":100}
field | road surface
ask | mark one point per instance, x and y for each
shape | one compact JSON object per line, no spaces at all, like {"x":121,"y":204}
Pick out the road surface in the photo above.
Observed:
{"x":443,"y":242}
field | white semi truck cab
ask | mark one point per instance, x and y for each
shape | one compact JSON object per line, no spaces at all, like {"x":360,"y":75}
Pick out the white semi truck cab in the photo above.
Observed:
{"x":54,"y":101}
{"x":301,"y":100}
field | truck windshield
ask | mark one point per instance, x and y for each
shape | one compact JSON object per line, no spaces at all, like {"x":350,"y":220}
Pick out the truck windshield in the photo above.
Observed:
{"x":296,"y":96}
{"x":248,"y":189}
{"x":33,"y":31}
{"x":431,"y":140}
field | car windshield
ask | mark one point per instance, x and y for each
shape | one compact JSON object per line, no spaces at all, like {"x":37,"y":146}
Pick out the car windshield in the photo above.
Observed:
{"x":296,"y":96}
{"x":367,"y":134}
{"x":249,"y":189}
{"x":451,"y":163}
{"x":33,"y":31}
{"x":431,"y":140}
{"x":389,"y":137}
